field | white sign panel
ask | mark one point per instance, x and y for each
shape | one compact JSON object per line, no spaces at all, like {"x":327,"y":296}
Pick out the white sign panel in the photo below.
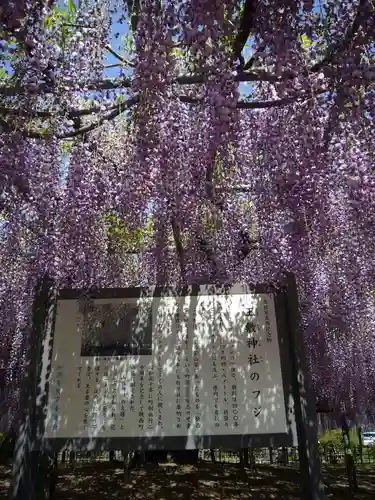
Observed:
{"x":168,"y":366}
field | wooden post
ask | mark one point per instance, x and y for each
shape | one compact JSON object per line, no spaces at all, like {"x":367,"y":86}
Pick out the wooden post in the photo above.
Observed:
{"x":246,"y":457}
{"x":28,"y":472}
{"x":360,"y":441}
{"x":349,"y":459}
{"x":305,"y":407}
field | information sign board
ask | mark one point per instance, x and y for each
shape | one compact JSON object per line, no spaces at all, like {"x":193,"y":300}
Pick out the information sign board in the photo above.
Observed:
{"x":170,"y":365}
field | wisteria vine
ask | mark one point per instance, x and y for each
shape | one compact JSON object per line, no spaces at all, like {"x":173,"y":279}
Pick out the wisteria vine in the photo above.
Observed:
{"x":174,"y":172}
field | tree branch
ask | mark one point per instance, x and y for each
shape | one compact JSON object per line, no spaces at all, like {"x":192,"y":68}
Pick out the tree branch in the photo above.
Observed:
{"x":245,"y":27}
{"x":118,"y":65}
{"x":187,"y":99}
{"x":118,"y":56}
{"x":261,"y":104}
{"x":111,"y":84}
{"x":50,"y":114}
{"x":133,"y":9}
{"x":335,"y":49}
{"x":248,"y":65}
{"x":179,"y":247}
{"x":259,"y":76}
{"x":88,"y":128}
{"x":117,"y":109}
{"x":236,"y":189}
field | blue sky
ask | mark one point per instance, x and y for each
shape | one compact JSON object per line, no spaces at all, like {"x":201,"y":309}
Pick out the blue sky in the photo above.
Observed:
{"x":117,"y":42}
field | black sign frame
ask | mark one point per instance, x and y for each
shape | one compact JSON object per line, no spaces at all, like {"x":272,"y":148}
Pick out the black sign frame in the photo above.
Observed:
{"x":32,"y":442}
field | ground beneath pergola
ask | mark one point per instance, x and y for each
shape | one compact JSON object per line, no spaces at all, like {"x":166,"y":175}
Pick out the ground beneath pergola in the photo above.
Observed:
{"x":205,"y":481}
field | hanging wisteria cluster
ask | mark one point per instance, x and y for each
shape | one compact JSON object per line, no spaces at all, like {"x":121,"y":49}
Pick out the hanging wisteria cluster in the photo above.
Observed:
{"x":176,"y":172}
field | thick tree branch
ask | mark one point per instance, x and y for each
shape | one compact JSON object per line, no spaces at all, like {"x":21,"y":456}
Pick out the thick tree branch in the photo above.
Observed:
{"x":51,"y":114}
{"x":179,"y":247}
{"x":113,"y":114}
{"x":117,"y":83}
{"x":22,"y":112}
{"x":248,"y":65}
{"x":91,"y":127}
{"x":106,"y":84}
{"x":133,"y":9}
{"x":337,"y":48}
{"x":245,"y":27}
{"x":117,"y":109}
{"x":121,"y":106}
{"x":259,"y":76}
{"x":88,"y":128}
{"x":262,"y":104}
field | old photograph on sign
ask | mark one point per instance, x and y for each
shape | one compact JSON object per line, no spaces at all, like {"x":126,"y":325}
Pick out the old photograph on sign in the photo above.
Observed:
{"x":116,"y":329}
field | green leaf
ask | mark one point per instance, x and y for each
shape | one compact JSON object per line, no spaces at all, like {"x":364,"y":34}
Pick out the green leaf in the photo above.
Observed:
{"x":128,"y":40}
{"x":66,"y":147}
{"x":48,"y":21}
{"x":124,"y":238}
{"x":242,"y":8}
{"x":177,"y":52}
{"x":305,"y":42}
{"x":71,"y":7}
{"x":149,"y":226}
{"x":3,"y":74}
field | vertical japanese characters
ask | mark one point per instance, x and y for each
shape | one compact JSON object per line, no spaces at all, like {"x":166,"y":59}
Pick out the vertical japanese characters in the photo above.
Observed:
{"x":215,"y":373}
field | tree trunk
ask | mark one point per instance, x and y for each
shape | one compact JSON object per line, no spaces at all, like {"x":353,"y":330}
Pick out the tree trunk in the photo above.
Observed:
{"x":185,"y":457}
{"x":252,"y":462}
{"x":349,"y":459}
{"x":246,"y":457}
{"x":127,"y":456}
{"x":138,"y":459}
{"x":156,"y":456}
{"x":285,"y":456}
{"x":360,"y":446}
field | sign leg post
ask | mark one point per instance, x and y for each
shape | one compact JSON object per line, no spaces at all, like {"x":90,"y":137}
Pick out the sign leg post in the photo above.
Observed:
{"x":305,"y":408}
{"x":27,"y":470}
